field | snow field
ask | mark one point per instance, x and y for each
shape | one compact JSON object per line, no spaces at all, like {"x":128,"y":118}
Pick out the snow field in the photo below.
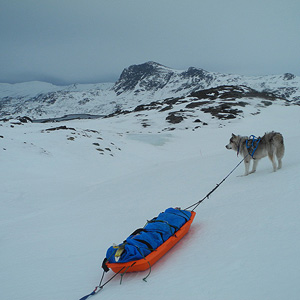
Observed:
{"x":63,"y":203}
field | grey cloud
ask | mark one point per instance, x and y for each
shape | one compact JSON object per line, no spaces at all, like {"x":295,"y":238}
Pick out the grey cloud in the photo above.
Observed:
{"x":92,"y":41}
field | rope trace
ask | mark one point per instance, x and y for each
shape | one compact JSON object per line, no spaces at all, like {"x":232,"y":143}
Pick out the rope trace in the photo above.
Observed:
{"x":217,"y":185}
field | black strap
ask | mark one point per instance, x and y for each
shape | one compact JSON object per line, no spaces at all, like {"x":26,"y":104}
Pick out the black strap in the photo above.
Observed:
{"x":104,"y":266}
{"x":166,"y":222}
{"x":138,"y":231}
{"x":146,"y":243}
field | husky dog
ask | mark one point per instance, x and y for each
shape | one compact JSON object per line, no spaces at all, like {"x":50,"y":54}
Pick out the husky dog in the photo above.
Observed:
{"x":270,"y":144}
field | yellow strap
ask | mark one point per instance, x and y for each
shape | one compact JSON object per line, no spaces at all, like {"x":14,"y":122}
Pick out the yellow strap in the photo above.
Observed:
{"x":119,"y":252}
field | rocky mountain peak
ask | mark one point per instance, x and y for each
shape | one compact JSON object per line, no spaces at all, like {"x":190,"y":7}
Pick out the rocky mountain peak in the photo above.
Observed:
{"x":192,"y":71}
{"x":154,"y":76}
{"x":288,"y":76}
{"x":140,"y":70}
{"x":131,"y":76}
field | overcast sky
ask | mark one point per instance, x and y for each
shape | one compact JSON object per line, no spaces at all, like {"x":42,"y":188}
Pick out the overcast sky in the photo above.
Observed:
{"x":90,"y":41}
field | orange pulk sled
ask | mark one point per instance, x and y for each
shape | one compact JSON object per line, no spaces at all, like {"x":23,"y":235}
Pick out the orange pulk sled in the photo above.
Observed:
{"x":145,"y":246}
{"x":149,"y":260}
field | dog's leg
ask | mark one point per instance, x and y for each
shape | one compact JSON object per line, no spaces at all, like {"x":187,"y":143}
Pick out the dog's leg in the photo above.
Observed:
{"x":271,"y":156}
{"x":255,"y":162}
{"x":247,"y":165}
{"x":279,"y":154}
{"x":279,"y":163}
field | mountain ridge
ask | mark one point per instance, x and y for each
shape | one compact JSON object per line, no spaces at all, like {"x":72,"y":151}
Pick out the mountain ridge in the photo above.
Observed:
{"x":137,"y":85}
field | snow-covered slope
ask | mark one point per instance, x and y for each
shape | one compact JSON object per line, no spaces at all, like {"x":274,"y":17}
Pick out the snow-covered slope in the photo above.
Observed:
{"x":40,"y":100}
{"x":160,"y":82}
{"x":71,"y":190}
{"x":137,"y":85}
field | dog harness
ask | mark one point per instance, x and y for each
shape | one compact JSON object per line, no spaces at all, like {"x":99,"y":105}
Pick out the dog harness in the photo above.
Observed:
{"x":252,"y":146}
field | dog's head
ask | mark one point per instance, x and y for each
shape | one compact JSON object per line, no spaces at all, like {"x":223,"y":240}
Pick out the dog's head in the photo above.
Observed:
{"x":233,"y":142}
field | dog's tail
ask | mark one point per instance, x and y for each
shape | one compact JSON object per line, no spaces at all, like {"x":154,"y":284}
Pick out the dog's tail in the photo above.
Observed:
{"x":277,"y":138}
{"x":279,"y":144}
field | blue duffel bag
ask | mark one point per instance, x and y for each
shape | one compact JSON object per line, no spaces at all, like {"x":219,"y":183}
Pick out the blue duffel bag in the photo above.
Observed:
{"x":143,"y":241}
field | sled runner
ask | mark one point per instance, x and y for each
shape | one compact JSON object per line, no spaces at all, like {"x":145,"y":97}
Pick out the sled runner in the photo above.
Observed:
{"x":147,"y":245}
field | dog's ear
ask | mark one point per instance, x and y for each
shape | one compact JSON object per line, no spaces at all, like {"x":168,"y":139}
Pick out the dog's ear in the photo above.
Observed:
{"x":233,"y":135}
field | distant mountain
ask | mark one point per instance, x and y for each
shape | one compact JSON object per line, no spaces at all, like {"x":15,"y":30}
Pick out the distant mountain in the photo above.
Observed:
{"x":155,"y":79}
{"x":138,"y":85}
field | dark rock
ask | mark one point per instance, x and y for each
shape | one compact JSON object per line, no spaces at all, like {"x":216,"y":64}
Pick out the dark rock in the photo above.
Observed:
{"x":168,"y":107}
{"x":60,"y":128}
{"x":288,"y":76}
{"x":223,"y":111}
{"x":267,"y":103}
{"x":24,"y":119}
{"x":232,"y":92}
{"x":140,"y":108}
{"x":197,"y":104}
{"x":174,"y":119}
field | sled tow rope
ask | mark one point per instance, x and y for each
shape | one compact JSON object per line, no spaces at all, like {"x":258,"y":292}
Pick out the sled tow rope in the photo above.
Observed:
{"x":195,"y":205}
{"x":99,"y":287}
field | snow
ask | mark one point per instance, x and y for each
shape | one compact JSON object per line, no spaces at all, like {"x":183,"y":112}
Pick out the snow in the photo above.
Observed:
{"x":34,"y":88}
{"x":39,"y":100}
{"x":64,"y":202}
